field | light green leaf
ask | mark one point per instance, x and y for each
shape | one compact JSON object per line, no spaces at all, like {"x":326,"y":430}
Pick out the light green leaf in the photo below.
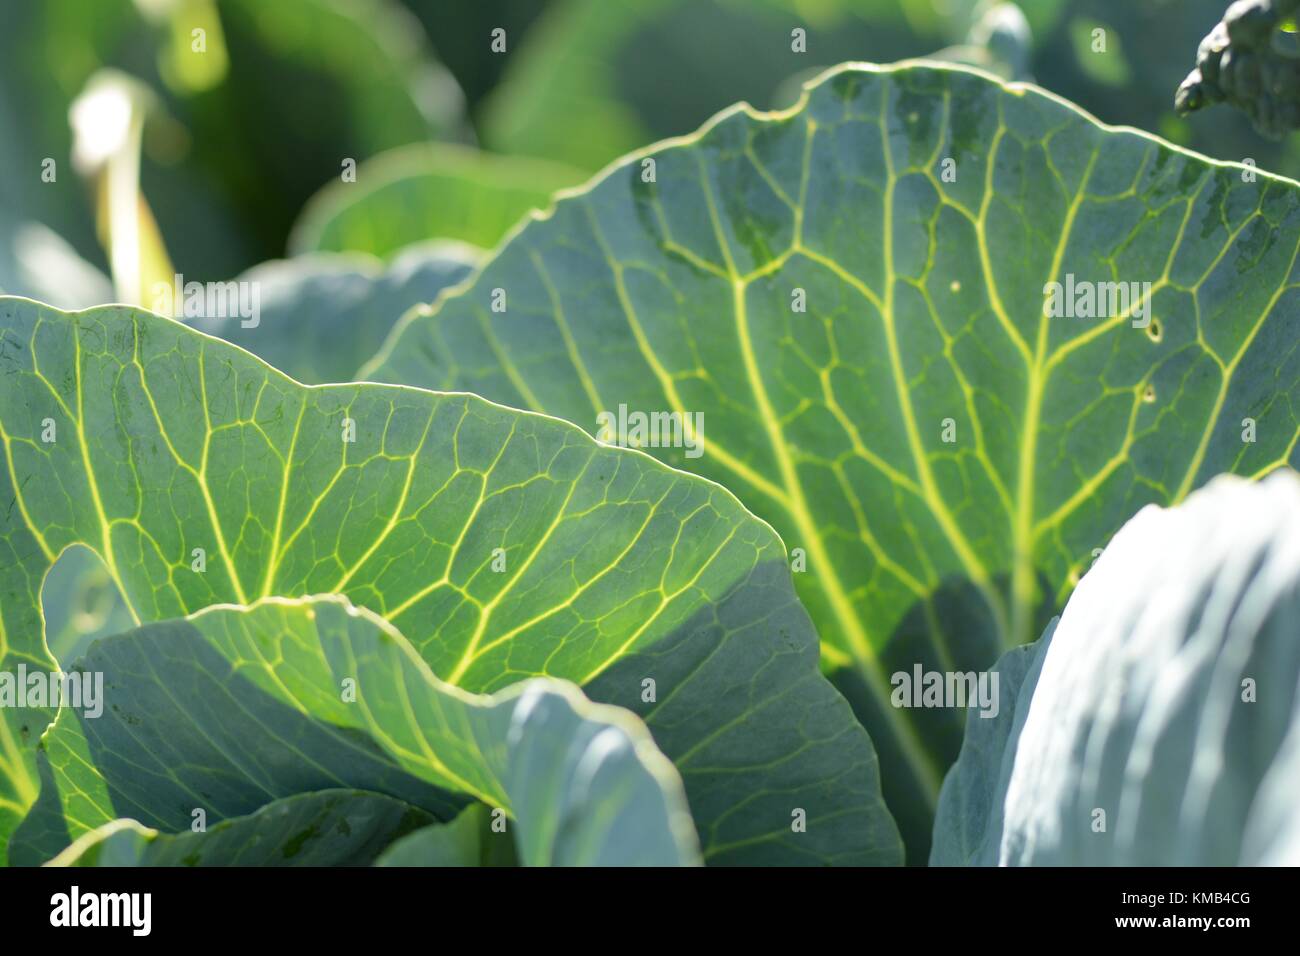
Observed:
{"x":234,"y":707}
{"x":466,"y":841}
{"x":327,"y":828}
{"x":318,"y":314}
{"x":312,"y":317}
{"x":943,"y":455}
{"x":502,"y":544}
{"x":315,"y":315}
{"x":1099,"y":55}
{"x":427,"y":191}
{"x":1162,"y":727}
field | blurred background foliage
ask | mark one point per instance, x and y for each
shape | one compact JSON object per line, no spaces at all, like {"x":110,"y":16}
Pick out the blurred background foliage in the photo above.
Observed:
{"x":239,"y":137}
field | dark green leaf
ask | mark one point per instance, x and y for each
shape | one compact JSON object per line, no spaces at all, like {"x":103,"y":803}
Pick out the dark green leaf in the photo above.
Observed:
{"x":328,"y":828}
{"x":232,"y":708}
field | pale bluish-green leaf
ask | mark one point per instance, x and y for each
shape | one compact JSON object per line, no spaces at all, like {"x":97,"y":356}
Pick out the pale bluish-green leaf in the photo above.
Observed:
{"x":234,"y":707}
{"x":37,"y":263}
{"x":317,"y":315}
{"x":502,"y":544}
{"x":944,"y":455}
{"x":1162,"y":726}
{"x":428,"y":191}
{"x":968,"y":821}
{"x":326,"y":828}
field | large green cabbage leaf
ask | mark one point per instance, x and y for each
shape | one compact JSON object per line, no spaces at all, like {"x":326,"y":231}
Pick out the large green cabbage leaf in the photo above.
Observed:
{"x":501,"y":544}
{"x":855,"y":296}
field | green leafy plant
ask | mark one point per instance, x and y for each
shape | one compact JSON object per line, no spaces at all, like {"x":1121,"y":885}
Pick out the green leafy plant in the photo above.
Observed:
{"x":859,"y":290}
{"x":506,"y":592}
{"x":502,"y":544}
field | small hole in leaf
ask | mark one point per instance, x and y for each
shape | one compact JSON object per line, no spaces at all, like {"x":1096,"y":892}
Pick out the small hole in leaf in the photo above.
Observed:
{"x":1149,"y":395}
{"x":1153,"y":330}
{"x":81,"y":604}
